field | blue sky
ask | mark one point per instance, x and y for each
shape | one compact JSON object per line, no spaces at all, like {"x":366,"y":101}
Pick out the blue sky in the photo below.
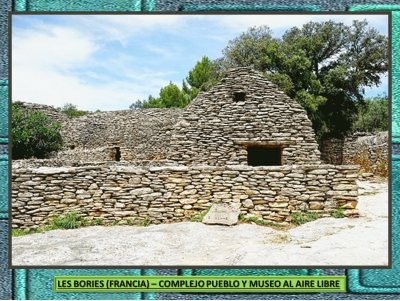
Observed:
{"x":108,"y":62}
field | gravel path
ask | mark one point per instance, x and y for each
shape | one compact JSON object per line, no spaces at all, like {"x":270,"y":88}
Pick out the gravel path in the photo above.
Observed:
{"x":326,"y":242}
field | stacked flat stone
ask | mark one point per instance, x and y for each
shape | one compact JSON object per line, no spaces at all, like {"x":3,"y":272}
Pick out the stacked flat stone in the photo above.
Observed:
{"x":369,"y":147}
{"x":118,"y":193}
{"x":215,"y":129}
{"x":177,"y":162}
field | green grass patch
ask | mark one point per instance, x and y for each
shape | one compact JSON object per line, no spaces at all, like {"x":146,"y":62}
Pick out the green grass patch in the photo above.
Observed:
{"x":299,"y":218}
{"x":256,"y":220}
{"x":97,"y":222}
{"x":198,"y":217}
{"x":20,"y":232}
{"x":69,"y":220}
{"x":338,"y":213}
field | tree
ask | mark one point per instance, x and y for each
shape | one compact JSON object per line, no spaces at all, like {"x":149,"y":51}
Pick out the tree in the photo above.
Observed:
{"x":372,"y":116}
{"x":33,"y":134}
{"x":249,"y":49}
{"x":72,"y":111}
{"x":170,"y":97}
{"x":201,"y":78}
{"x":324,"y":66}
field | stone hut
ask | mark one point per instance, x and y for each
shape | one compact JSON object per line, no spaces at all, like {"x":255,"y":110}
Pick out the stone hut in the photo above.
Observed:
{"x":244,"y":142}
{"x":245,"y":119}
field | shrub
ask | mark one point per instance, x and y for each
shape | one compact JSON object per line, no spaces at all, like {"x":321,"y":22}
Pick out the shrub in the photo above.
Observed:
{"x":72,"y":111}
{"x":372,"y":115}
{"x":33,"y":134}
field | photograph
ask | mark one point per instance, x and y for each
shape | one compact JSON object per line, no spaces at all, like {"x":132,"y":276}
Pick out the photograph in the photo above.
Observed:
{"x":200,"y":140}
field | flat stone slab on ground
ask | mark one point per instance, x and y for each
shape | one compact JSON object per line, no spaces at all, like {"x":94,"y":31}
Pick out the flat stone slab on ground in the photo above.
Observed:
{"x":222,"y":214}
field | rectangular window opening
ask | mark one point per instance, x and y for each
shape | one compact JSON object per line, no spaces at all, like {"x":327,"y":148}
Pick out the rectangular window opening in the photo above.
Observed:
{"x":117,"y":154}
{"x":264,"y":155}
{"x":239,"y":96}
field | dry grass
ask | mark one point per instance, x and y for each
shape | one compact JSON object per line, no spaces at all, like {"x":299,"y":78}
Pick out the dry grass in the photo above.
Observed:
{"x":362,"y":159}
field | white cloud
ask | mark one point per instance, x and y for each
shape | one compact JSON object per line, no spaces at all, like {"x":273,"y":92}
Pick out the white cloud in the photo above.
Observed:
{"x":122,"y":27}
{"x":56,"y":47}
{"x":55,"y":63}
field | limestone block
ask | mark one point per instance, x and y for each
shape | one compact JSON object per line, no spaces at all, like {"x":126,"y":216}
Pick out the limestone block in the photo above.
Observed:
{"x":222,"y":214}
{"x":247,"y":203}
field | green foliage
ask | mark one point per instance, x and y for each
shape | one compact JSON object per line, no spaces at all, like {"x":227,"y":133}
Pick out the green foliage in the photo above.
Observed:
{"x":69,"y":220}
{"x":201,"y":78}
{"x":254,"y":219}
{"x":21,"y":232}
{"x":170,"y":97}
{"x":33,"y":134}
{"x":72,"y":111}
{"x":258,"y":221}
{"x":198,"y":217}
{"x":145,"y":222}
{"x":97,"y":221}
{"x":372,"y":115}
{"x":299,"y":218}
{"x":252,"y":48}
{"x":338,"y":213}
{"x":324,"y":66}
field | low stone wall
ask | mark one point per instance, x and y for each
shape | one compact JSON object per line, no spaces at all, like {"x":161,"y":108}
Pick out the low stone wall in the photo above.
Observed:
{"x":370,"y":151}
{"x":367,"y":150}
{"x":54,"y":114}
{"x":175,"y":193}
{"x":332,"y":151}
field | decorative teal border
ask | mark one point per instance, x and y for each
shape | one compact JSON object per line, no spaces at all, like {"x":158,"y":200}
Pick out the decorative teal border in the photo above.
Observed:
{"x":374,"y":7}
{"x":84,"y":5}
{"x":3,"y":111}
{"x":385,"y":280}
{"x":30,"y":284}
{"x":247,"y":7}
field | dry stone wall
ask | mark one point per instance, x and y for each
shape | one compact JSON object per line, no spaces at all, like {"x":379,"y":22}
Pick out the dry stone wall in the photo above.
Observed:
{"x":370,"y":150}
{"x":139,"y":134}
{"x":51,"y":112}
{"x":216,"y":128}
{"x":118,"y":193}
{"x":174,"y":163}
{"x":332,"y":151}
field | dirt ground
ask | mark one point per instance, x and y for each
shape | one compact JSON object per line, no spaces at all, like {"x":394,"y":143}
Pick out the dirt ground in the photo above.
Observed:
{"x":324,"y":242}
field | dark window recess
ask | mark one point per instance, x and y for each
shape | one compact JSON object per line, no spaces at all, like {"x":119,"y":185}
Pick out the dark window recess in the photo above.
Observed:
{"x":117,"y":154}
{"x":264,"y":156}
{"x":239,"y":96}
